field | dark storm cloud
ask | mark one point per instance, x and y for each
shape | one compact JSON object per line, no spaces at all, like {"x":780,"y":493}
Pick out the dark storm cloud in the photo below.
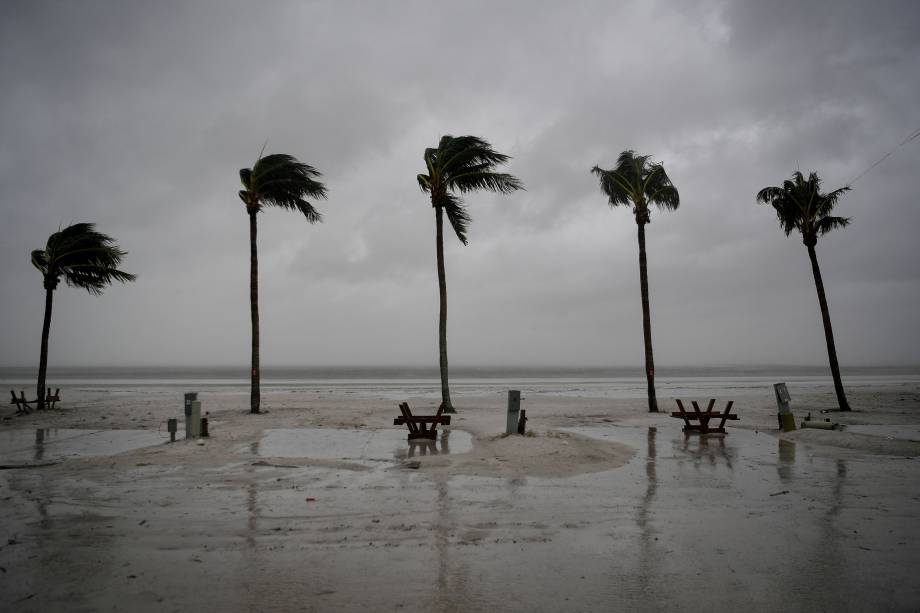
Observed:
{"x":138,"y":115}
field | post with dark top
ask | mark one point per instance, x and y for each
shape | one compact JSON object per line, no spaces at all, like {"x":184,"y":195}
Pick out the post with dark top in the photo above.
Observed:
{"x":514,"y":409}
{"x":190,"y":428}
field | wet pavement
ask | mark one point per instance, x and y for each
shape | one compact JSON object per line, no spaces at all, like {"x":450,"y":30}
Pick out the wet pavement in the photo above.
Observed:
{"x":55,"y":444}
{"x":690,"y":524}
{"x":907,"y":432}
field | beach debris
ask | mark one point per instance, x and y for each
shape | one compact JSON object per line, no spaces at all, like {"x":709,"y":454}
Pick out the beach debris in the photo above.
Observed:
{"x":820,"y":425}
{"x":15,"y":466}
{"x":780,"y":493}
{"x":311,"y":499}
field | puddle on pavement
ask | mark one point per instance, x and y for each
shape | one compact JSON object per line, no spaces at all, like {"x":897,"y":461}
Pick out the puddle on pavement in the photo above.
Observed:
{"x":357,"y":445}
{"x":51,"y":444}
{"x":906,"y":432}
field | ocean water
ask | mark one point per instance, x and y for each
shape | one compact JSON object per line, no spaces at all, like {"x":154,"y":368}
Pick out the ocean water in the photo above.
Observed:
{"x":403,"y":382}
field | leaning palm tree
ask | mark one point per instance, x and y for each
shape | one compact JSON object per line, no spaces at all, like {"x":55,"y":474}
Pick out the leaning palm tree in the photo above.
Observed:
{"x":638,"y":181}
{"x":274,"y":180}
{"x":84,"y":258}
{"x":801,"y":206}
{"x":459,"y":164}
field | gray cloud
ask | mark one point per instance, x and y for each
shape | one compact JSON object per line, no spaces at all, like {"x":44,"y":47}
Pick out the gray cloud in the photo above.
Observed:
{"x":138,"y":115}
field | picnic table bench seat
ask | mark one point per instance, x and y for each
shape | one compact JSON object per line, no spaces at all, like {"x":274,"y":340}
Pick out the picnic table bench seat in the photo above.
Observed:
{"x":421,"y":426}
{"x":23,"y":406}
{"x":703,"y":417}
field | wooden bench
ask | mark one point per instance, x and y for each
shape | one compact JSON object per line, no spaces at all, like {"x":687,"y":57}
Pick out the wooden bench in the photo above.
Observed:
{"x":23,"y":406}
{"x":421,"y":426}
{"x":703,"y":417}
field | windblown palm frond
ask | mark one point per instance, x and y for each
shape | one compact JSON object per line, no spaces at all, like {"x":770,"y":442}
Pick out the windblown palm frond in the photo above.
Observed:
{"x":281,"y":180}
{"x":85,"y":259}
{"x":459,"y":165}
{"x":638,"y":181}
{"x":800,"y":205}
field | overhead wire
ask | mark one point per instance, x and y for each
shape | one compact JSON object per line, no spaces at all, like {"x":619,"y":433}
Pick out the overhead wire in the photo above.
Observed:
{"x":912,"y":136}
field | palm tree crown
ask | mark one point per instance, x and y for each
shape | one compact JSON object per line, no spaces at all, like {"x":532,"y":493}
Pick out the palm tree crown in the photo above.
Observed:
{"x":280,"y":180}
{"x":459,"y":165}
{"x":801,"y":206}
{"x":638,"y":181}
{"x":85,"y":258}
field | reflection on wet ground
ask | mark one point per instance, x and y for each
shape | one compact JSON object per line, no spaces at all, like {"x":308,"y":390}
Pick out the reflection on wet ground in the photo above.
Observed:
{"x":744,"y":520}
{"x":358,"y":445}
{"x":905,"y":432}
{"x":51,"y":444}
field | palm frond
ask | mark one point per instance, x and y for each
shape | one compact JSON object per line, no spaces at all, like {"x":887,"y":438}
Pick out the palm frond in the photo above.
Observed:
{"x":458,"y":216}
{"x":459,"y":165}
{"x":490,"y":181}
{"x":424,"y":182}
{"x":826,"y":224}
{"x":800,"y":205}
{"x":638,"y":181}
{"x":85,"y":258}
{"x":283,"y":181}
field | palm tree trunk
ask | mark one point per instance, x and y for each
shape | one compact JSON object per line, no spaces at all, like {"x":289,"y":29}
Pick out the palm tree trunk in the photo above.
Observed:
{"x":442,"y":315}
{"x":828,"y":331}
{"x":646,"y":322}
{"x":254,"y":395}
{"x":43,"y":359}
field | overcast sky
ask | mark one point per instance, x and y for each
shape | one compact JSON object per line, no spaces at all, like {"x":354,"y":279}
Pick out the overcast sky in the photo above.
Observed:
{"x":138,"y":115}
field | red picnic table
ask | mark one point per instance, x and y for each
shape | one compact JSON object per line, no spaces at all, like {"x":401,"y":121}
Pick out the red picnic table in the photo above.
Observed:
{"x":703,"y":417}
{"x":421,"y":426}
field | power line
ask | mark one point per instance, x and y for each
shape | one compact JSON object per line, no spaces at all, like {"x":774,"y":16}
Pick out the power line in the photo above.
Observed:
{"x":913,"y":135}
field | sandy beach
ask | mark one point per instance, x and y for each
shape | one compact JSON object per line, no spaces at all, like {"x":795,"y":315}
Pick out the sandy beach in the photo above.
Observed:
{"x":321,"y":504}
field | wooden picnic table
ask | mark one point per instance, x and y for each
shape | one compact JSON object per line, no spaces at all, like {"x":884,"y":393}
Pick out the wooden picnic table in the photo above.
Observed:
{"x":703,"y":417}
{"x":24,"y":406}
{"x":421,"y":426}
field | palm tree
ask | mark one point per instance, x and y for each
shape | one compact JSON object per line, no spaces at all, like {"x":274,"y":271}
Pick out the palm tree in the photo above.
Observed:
{"x":638,"y":181}
{"x":274,"y":180}
{"x":801,"y":206}
{"x":459,"y":164}
{"x":84,"y":258}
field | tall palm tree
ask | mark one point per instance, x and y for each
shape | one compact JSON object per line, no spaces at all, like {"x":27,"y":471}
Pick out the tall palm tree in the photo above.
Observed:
{"x":458,"y":165}
{"x":274,"y":180}
{"x":641,"y":182}
{"x":801,"y":206}
{"x":84,"y":258}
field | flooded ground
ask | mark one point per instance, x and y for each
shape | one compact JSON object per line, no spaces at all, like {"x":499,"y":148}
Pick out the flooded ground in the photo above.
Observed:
{"x":21,"y":447}
{"x":357,"y":444}
{"x":689,"y":524}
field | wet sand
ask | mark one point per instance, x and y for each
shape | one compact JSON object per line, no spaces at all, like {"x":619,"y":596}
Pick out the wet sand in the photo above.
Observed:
{"x":322,"y":505}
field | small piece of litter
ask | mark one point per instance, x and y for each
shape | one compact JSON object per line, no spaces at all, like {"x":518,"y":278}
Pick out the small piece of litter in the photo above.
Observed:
{"x":311,"y":499}
{"x":780,"y":493}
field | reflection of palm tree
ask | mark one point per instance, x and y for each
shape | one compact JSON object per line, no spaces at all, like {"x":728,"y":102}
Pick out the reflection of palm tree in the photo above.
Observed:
{"x":40,"y":444}
{"x":644,"y":513}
